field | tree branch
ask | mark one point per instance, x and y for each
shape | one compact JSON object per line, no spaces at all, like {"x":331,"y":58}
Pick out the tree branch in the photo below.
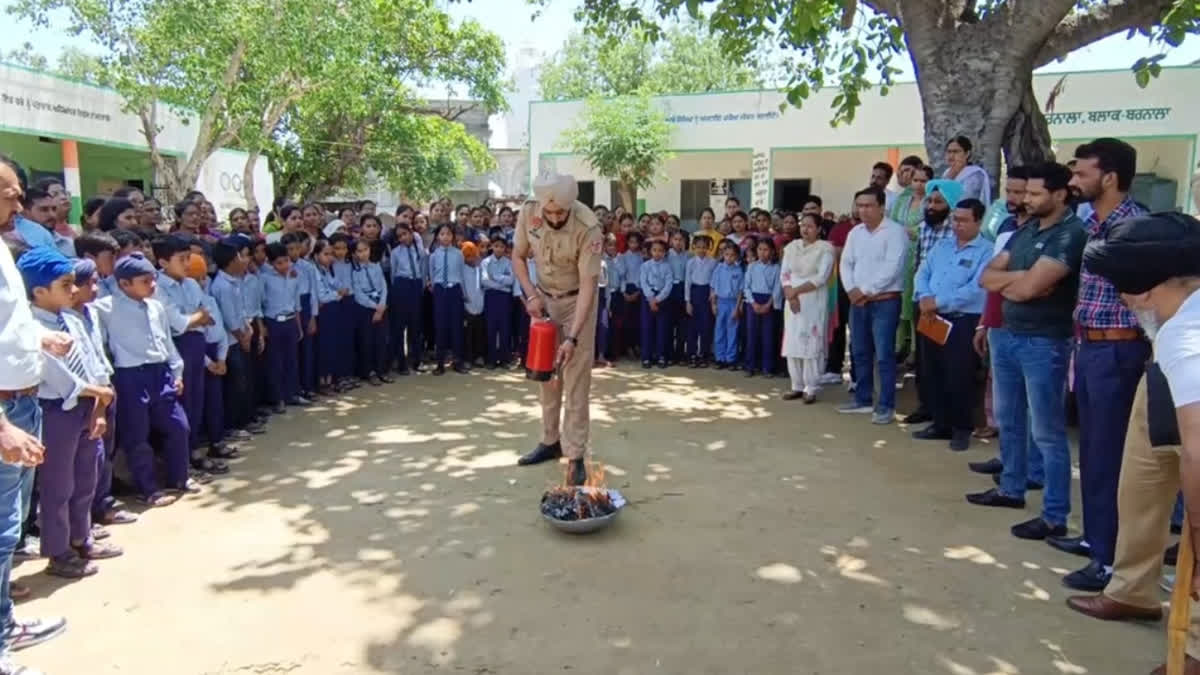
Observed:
{"x":1081,"y":29}
{"x":888,"y":8}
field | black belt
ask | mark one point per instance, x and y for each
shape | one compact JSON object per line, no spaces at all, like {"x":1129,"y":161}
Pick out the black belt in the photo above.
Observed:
{"x":559,"y":296}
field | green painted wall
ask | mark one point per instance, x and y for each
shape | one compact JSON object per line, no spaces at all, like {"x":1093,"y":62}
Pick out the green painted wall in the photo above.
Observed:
{"x":101,"y":169}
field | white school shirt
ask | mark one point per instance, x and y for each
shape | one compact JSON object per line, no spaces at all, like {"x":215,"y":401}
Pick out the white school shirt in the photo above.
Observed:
{"x":873,"y":262}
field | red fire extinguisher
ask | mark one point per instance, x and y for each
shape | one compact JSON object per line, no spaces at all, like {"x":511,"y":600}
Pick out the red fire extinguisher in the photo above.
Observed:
{"x":543,"y":348}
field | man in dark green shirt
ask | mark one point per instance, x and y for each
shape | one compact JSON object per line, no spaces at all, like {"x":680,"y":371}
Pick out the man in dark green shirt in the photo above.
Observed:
{"x":1038,"y":276}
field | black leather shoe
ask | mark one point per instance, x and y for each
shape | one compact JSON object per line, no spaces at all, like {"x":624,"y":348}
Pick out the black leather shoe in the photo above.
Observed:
{"x":992,"y":466}
{"x":931,"y":433}
{"x":960,"y":441}
{"x":919,"y":417}
{"x":1029,"y":485}
{"x":577,"y":472}
{"x":792,"y":395}
{"x":1037,"y":528}
{"x":1073,"y":545}
{"x":1092,"y":578}
{"x":542,"y":453}
{"x":994,"y":498}
{"x":461,"y":368}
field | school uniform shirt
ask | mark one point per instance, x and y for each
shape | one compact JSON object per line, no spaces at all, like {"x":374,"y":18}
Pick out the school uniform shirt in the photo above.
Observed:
{"x":138,"y":332}
{"x":763,"y":279}
{"x":252,"y":295}
{"x":678,"y":262}
{"x":950,"y":275}
{"x":307,"y":272}
{"x":727,"y":281}
{"x":368,"y":285}
{"x":656,"y":280}
{"x":95,"y":345}
{"x":281,"y":295}
{"x":64,"y":378}
{"x":446,"y":266}
{"x":611,"y":275}
{"x":64,"y":244}
{"x":215,"y":334}
{"x":106,"y":287}
{"x":631,"y":266}
{"x":181,"y":298}
{"x":408,"y":262}
{"x":473,"y":290}
{"x":497,"y":273}
{"x":698,"y":272}
{"x":533,"y":278}
{"x":227,"y":290}
{"x":327,"y":286}
{"x":342,"y":273}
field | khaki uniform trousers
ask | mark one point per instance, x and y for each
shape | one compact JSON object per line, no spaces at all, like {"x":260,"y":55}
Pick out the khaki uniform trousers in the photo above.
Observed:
{"x":574,"y":381}
{"x":1145,"y":498}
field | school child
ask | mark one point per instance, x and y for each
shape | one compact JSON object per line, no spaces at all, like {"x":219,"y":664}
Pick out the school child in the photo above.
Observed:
{"x":331,"y":329}
{"x":476,"y":332}
{"x":369,"y":289}
{"x":677,"y":258}
{"x":342,"y":246}
{"x":126,"y":241}
{"x":306,"y":274}
{"x":610,"y":282}
{"x":656,"y":279}
{"x":148,"y":376}
{"x":507,"y":218}
{"x":216,"y":354}
{"x":631,"y":273}
{"x":72,"y":429}
{"x":725,"y":300}
{"x":101,"y":249}
{"x":408,"y":264}
{"x":497,"y":281}
{"x":253,"y":295}
{"x":87,"y":283}
{"x":520,"y":316}
{"x":764,"y":295}
{"x":226,"y":289}
{"x":698,"y":310}
{"x":447,"y":274}
{"x":281,"y":313}
{"x":183,"y":301}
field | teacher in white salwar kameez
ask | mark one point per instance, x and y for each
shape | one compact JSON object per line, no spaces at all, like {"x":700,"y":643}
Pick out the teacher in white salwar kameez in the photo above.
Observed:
{"x":804,"y":274}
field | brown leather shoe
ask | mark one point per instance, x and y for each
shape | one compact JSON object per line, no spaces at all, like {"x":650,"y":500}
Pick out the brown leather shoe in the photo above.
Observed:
{"x":1106,"y":609}
{"x":1190,"y":667}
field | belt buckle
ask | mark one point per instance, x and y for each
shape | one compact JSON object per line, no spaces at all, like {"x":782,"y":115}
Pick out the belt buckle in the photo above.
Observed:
{"x":281,"y":318}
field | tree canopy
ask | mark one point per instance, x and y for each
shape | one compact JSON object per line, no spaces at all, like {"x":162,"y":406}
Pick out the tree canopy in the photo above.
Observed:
{"x":626,"y":138}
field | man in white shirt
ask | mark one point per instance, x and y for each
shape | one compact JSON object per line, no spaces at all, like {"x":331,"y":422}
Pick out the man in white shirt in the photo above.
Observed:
{"x":872,"y":271}
{"x":1154,"y":263}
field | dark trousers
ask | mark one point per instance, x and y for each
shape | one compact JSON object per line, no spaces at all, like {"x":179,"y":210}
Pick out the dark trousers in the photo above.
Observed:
{"x":497,"y":308}
{"x":616,"y":326}
{"x":427,"y":321}
{"x":947,"y":382}
{"x":602,"y":323}
{"x":405,"y":317}
{"x":699,"y":324}
{"x":448,"y":322}
{"x":239,"y":408}
{"x":475,"y":339}
{"x":372,"y":341}
{"x":283,"y":368}
{"x":146,"y":401}
{"x":1106,"y":378}
{"x":631,"y":331}
{"x":760,"y":337}
{"x":191,"y":348}
{"x":257,"y":367}
{"x":308,"y":348}
{"x":103,"y":500}
{"x":68,"y":475}
{"x":678,"y":318}
{"x":520,"y":328}
{"x":214,"y":400}
{"x":331,"y":340}
{"x":656,"y":330}
{"x":837,"y":344}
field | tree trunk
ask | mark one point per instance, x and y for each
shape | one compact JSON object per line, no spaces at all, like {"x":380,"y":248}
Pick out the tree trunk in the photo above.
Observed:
{"x":1027,"y":136}
{"x":248,"y":180}
{"x":625,"y":192}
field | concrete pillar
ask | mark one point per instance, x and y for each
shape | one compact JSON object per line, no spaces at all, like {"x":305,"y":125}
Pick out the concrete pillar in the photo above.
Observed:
{"x":70,"y":162}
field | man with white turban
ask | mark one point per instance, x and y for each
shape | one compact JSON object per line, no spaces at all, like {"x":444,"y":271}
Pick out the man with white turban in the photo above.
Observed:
{"x":562,"y":236}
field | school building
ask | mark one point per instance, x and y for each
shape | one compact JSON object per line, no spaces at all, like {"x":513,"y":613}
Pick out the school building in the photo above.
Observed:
{"x":742,"y":143}
{"x":80,"y":133}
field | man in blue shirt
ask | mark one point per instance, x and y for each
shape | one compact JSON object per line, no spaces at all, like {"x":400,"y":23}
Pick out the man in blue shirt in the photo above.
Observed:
{"x":949,"y":295}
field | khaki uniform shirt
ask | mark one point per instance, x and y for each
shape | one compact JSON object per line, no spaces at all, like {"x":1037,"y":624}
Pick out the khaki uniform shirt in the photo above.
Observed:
{"x":564,"y":256}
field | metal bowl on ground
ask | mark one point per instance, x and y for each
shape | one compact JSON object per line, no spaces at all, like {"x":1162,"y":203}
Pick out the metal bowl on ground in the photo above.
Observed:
{"x":586,"y":525}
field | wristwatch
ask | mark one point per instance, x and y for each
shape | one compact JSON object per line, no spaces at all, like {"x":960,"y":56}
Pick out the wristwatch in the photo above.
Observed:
{"x":572,"y":339}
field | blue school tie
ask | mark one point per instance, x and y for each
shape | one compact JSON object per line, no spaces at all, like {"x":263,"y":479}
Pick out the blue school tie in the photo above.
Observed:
{"x":412,"y":262}
{"x":445,"y":268}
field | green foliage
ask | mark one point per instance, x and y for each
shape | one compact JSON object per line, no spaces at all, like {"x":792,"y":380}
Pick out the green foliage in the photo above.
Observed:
{"x":687,"y":59}
{"x":626,"y":138}
{"x":26,"y":56}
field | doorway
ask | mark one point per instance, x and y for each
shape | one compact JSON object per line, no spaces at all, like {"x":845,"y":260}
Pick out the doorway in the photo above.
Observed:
{"x":790,"y":194}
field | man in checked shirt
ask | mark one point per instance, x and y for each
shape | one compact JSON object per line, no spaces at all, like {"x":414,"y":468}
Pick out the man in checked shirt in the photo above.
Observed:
{"x":1110,"y":359}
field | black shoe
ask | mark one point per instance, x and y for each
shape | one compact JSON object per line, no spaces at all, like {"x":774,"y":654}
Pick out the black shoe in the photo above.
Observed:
{"x":703,"y":363}
{"x":1073,"y":545}
{"x":960,"y":441}
{"x":1171,"y":555}
{"x":919,"y":417}
{"x":461,"y":368}
{"x":932,"y":433}
{"x":662,"y":363}
{"x":1037,"y":529}
{"x":1029,"y":485}
{"x":374,"y":381}
{"x":719,"y":365}
{"x":792,"y":395}
{"x":994,"y":498}
{"x":647,"y":365}
{"x":542,"y":453}
{"x":993,"y":466}
{"x":440,"y":369}
{"x":386,"y":379}
{"x":1091,"y":579}
{"x":576,"y":472}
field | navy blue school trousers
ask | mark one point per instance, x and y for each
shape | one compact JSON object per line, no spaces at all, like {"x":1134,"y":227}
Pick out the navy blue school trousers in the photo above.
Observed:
{"x":406,"y":300}
{"x":700,"y":323}
{"x":283,"y":367}
{"x":497,"y":313}
{"x":656,"y":330}
{"x":146,"y":400}
{"x":678,"y":325}
{"x":448,"y":321}
{"x":214,"y":398}
{"x":191,"y":348}
{"x":760,"y":337}
{"x":308,"y":347}
{"x":372,"y":341}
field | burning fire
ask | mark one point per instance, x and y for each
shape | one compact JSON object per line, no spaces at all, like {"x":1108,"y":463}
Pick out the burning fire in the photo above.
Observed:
{"x":591,"y":500}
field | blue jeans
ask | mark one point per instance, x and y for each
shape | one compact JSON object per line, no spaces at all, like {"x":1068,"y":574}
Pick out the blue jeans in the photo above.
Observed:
{"x":1030,"y":376}
{"x":873,"y":345}
{"x":1034,"y":465}
{"x":16,"y":487}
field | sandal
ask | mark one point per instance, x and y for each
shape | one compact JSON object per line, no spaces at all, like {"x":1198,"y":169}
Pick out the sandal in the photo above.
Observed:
{"x":190,"y":486}
{"x":158,"y":499}
{"x":71,"y":567}
{"x":98,"y":532}
{"x":18,"y":591}
{"x":117,"y":517}
{"x":98,"y":551}
{"x":224,"y":451}
{"x":210,"y":466}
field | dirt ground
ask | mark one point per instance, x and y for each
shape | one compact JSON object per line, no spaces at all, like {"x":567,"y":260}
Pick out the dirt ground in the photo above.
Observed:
{"x":392,"y":533}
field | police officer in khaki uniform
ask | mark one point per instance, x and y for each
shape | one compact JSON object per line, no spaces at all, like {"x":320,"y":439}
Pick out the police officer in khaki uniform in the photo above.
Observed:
{"x":562,"y":236}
